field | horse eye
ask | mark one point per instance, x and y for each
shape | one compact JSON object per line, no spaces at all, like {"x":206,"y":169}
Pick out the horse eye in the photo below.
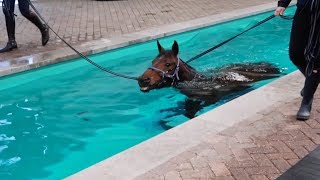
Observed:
{"x":168,"y":64}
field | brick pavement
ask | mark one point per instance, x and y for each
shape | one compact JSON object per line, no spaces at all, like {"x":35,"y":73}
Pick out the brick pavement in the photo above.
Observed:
{"x":81,"y":21}
{"x":257,"y":149}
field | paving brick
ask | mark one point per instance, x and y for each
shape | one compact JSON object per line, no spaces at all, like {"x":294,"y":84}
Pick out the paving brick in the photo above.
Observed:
{"x":219,"y":169}
{"x":192,"y":174}
{"x":300,"y":151}
{"x":172,"y":175}
{"x":297,"y":143}
{"x":260,"y":150}
{"x":313,"y":134}
{"x":297,"y":134}
{"x":222,"y":148}
{"x":206,"y":173}
{"x":281,"y":164}
{"x":199,"y":162}
{"x":241,"y":164}
{"x":282,"y":155}
{"x":310,"y":147}
{"x":292,"y":161}
{"x":239,"y":174}
{"x":282,"y":137}
{"x":261,"y":170}
{"x":273,"y":176}
{"x":259,"y":177}
{"x":183,"y":167}
{"x":222,"y":178}
{"x":261,"y":159}
{"x":280,"y":146}
{"x":313,"y":123}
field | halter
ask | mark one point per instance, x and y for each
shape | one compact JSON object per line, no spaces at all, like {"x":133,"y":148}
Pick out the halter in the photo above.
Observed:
{"x":173,"y":76}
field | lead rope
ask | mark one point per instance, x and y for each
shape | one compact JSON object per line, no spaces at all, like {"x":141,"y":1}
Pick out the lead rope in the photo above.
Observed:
{"x":80,"y":54}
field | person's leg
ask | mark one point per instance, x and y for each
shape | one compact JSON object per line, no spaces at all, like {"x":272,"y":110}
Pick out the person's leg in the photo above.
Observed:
{"x":8,"y":11}
{"x":313,"y":69}
{"x":299,"y":38}
{"x":31,"y":16}
{"x":310,"y":87}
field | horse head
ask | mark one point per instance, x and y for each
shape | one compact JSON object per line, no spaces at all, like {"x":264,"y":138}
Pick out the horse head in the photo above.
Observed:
{"x":167,"y":68}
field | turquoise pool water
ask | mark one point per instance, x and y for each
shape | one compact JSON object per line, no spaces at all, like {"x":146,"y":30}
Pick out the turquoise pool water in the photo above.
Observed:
{"x":60,"y":119}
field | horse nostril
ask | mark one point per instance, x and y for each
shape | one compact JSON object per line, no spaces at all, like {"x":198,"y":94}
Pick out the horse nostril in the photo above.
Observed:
{"x":146,"y":80}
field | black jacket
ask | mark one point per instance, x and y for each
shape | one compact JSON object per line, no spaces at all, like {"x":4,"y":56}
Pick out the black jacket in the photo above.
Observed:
{"x":285,"y":3}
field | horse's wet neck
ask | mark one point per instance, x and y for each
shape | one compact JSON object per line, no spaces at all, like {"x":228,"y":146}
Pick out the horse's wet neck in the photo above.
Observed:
{"x":186,"y":73}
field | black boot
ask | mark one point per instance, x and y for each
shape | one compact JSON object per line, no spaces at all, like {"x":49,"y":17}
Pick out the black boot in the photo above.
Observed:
{"x":10,"y":24}
{"x":45,"y":35}
{"x":11,"y":45}
{"x":310,"y":87}
{"x":31,"y":16}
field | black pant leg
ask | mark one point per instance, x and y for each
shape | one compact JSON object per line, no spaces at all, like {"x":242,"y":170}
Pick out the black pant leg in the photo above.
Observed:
{"x":8,"y":11}
{"x":299,"y":38}
{"x":31,"y":16}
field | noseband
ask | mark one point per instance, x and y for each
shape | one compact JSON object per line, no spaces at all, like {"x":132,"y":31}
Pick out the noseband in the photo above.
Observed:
{"x":164,"y":74}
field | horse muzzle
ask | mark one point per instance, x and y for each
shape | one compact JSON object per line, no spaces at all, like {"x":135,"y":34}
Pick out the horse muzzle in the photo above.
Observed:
{"x":144,"y":84}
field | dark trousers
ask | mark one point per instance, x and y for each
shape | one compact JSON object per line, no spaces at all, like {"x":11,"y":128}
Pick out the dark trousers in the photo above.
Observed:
{"x":300,"y":37}
{"x":8,"y":10}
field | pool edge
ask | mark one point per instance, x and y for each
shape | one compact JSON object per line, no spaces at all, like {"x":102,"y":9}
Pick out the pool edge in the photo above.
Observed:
{"x":26,"y":63}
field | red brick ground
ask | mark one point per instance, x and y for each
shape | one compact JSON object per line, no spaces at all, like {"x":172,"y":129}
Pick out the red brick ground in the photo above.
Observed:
{"x":260,"y":148}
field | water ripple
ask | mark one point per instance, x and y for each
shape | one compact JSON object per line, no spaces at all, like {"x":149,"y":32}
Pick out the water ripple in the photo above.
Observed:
{"x":4,"y":137}
{"x":3,"y":148}
{"x":45,"y":150}
{"x":10,"y":161}
{"x":24,"y":108}
{"x":4,"y":122}
{"x":40,"y":126}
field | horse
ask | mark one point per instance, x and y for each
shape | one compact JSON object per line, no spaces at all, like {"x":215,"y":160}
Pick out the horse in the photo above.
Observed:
{"x":168,"y":70}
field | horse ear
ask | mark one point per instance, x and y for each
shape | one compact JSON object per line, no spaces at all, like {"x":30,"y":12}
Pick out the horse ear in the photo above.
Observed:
{"x":160,"y":48}
{"x":175,"y":48}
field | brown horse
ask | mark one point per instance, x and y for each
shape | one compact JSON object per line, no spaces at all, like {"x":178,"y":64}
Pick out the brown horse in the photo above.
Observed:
{"x":169,"y":70}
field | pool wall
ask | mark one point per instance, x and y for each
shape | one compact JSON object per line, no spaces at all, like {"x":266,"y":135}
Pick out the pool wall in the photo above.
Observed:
{"x":64,"y":54}
{"x":155,"y":151}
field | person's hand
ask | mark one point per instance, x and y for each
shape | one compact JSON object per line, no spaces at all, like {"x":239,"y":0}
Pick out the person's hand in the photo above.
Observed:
{"x":279,"y":11}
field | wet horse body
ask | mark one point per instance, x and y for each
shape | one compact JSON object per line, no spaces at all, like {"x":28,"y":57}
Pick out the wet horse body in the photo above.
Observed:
{"x":169,"y":70}
{"x":226,"y":80}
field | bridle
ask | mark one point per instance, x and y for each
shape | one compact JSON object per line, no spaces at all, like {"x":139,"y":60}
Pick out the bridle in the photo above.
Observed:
{"x":164,"y":74}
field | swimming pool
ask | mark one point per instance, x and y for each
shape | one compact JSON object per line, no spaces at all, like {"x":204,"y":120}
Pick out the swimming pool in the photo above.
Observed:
{"x":60,"y":119}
